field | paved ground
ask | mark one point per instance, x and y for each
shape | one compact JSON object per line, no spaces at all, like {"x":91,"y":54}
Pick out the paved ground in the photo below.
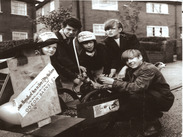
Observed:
{"x":173,"y":74}
{"x":171,"y":121}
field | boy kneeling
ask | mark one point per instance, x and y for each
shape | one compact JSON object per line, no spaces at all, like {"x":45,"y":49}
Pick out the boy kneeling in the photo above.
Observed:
{"x":144,"y":92}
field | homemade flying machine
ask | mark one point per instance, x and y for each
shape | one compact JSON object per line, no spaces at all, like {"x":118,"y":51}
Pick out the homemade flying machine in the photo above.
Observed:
{"x":30,"y":102}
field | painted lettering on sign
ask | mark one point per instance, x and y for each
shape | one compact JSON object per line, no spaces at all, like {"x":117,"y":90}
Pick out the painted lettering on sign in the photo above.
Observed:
{"x":28,"y":98}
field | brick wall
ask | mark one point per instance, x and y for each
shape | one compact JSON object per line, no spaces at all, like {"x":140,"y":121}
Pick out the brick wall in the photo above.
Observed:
{"x":10,"y":22}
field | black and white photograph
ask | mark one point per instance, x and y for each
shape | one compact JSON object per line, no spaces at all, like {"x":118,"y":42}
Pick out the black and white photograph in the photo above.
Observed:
{"x":91,"y":68}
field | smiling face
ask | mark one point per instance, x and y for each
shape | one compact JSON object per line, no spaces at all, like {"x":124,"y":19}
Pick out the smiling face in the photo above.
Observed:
{"x":49,"y":50}
{"x":70,"y":31}
{"x":134,"y":62}
{"x":88,"y":45}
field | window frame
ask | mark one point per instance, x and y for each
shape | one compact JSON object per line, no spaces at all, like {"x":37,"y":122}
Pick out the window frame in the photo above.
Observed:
{"x":20,"y":32}
{"x":157,"y":31}
{"x":156,"y":6}
{"x":18,"y":9}
{"x":101,"y":31}
{"x":98,"y":5}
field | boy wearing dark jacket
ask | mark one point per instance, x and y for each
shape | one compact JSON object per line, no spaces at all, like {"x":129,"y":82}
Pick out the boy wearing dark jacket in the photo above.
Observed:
{"x":66,"y":55}
{"x":116,"y":43}
{"x":92,"y":57}
{"x":144,"y":92}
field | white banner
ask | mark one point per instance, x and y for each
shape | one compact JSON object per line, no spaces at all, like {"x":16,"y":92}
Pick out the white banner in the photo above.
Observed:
{"x":105,"y":108}
{"x":28,"y":98}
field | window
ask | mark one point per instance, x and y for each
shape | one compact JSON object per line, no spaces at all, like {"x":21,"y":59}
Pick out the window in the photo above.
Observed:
{"x":105,"y":4}
{"x":1,"y":38}
{"x":52,"y":6}
{"x":98,"y":29}
{"x":158,"y":8}
{"x":18,"y":8}
{"x":158,"y":31}
{"x":19,"y":35}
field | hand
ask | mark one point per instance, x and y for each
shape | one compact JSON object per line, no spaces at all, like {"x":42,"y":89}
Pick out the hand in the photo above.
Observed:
{"x":77,"y":81}
{"x":122,"y":72}
{"x":112,"y":73}
{"x":83,"y":69}
{"x":83,"y":76}
{"x":96,"y":85}
{"x":107,"y":80}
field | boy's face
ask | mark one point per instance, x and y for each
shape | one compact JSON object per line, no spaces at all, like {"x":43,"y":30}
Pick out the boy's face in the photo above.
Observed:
{"x":70,"y":31}
{"x":89,"y":45}
{"x":113,"y":32}
{"x":134,"y":62}
{"x":49,"y":50}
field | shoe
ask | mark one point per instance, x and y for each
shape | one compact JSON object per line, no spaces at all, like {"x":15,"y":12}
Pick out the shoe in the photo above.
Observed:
{"x":153,"y":128}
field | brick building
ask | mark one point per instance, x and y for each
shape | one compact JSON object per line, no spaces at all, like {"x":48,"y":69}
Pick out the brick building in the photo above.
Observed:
{"x":16,"y":19}
{"x":155,"y":18}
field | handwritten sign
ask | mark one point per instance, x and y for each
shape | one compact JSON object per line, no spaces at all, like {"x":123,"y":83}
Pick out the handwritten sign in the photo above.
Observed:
{"x":105,"y":108}
{"x":28,"y":98}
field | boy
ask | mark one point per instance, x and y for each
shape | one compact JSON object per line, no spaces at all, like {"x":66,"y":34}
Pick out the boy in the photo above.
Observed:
{"x":92,"y":57}
{"x":65,"y":53}
{"x":116,"y":43}
{"x":144,"y":91}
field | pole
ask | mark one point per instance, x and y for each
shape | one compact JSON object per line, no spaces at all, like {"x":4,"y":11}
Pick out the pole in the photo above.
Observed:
{"x":77,"y":60}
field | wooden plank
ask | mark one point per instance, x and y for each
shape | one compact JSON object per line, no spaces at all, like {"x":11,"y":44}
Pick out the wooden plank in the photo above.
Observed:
{"x":58,"y":125}
{"x":21,"y":76}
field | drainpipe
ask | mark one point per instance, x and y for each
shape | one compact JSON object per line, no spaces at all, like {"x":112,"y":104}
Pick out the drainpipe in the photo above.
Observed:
{"x":175,"y":20}
{"x":80,"y":12}
{"x":82,"y":17}
{"x":175,"y":48}
{"x":78,"y":9}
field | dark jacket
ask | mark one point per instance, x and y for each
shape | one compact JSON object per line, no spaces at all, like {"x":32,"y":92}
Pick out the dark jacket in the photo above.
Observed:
{"x":95,"y":62}
{"x":149,"y":80}
{"x":127,"y":41}
{"x":64,"y":59}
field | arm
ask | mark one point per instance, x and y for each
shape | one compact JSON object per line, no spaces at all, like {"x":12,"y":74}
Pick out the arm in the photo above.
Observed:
{"x":142,"y":82}
{"x":112,"y":59}
{"x":64,"y":58}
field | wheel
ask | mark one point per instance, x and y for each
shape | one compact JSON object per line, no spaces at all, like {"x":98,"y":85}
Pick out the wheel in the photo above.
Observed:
{"x":67,"y":95}
{"x":66,"y":99}
{"x":95,"y":94}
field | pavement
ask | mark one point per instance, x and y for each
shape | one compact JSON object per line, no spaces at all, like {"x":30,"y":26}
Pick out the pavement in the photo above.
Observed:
{"x":173,"y":74}
{"x":172,"y":120}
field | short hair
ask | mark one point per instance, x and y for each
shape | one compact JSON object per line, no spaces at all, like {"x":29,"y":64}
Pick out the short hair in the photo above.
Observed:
{"x":73,"y":22}
{"x":130,"y":53}
{"x":111,"y":22}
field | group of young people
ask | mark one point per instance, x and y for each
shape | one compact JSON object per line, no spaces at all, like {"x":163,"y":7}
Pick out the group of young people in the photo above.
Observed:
{"x":118,"y":62}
